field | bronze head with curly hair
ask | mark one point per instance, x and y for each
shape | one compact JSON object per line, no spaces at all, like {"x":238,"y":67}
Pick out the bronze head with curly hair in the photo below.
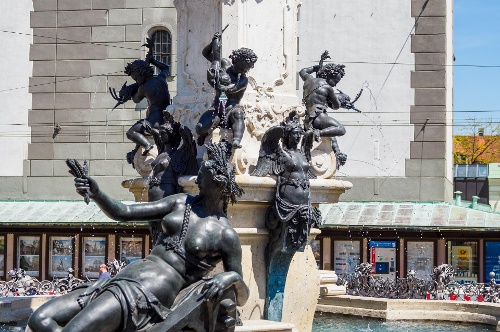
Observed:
{"x":169,"y":129}
{"x":243,"y":54}
{"x":331,"y":70}
{"x":243,"y":59}
{"x":140,"y":67}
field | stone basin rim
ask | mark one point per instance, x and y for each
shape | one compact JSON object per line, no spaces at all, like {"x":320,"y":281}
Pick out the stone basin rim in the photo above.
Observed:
{"x":412,"y":309}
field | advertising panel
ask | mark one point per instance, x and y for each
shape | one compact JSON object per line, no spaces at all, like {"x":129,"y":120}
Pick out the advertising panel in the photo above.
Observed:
{"x":61,"y":255}
{"x":492,"y":260}
{"x":94,"y":254}
{"x":383,"y":258}
{"x":28,"y":255}
{"x":462,"y":255}
{"x":420,"y":258}
{"x":346,"y":256}
{"x":130,"y":249}
{"x":2,"y":256}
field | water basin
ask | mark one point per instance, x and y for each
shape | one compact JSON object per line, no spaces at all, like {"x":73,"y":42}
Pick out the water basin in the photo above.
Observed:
{"x":19,"y":327}
{"x":326,"y":322}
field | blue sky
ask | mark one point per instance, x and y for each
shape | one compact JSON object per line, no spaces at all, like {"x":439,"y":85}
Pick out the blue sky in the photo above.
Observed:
{"x":476,"y":42}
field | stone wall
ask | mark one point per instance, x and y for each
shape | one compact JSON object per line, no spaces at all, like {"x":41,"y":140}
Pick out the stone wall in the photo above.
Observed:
{"x":432,"y":79}
{"x":80,"y":50}
{"x":15,"y":67}
{"x":390,"y":156}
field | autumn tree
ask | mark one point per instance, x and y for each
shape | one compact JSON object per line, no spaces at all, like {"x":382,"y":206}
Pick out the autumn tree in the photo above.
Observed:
{"x":479,"y":143}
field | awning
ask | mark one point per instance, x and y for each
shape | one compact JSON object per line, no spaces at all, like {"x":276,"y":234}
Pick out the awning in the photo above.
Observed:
{"x":406,"y":215}
{"x":23,"y":213}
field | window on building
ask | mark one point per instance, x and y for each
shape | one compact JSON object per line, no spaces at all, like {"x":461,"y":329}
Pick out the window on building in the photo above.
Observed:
{"x":93,"y":255}
{"x":28,"y":254}
{"x":482,"y":171}
{"x":471,"y":171}
{"x":60,"y":255}
{"x":2,"y":256}
{"x":163,"y":47}
{"x":460,"y":171}
{"x":420,"y":258}
{"x":462,"y":256}
{"x":472,"y":180}
{"x":346,"y":256}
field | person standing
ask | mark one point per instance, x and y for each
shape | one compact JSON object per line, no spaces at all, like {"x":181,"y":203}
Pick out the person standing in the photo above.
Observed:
{"x":103,"y":272}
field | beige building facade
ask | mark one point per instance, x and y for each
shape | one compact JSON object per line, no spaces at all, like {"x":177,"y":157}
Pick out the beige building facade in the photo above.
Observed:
{"x":399,"y":148}
{"x":401,"y":54}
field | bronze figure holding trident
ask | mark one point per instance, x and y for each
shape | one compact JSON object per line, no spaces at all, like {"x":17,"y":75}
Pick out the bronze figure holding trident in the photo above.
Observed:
{"x":229,"y":80}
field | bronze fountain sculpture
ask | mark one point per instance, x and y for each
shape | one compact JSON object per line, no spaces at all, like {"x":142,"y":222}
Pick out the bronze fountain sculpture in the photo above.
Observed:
{"x":169,"y":290}
{"x":196,"y":235}
{"x":176,"y":157}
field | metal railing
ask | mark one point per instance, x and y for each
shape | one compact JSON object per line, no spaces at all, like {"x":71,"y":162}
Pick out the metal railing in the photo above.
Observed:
{"x":441,"y":286}
{"x":24,"y":285}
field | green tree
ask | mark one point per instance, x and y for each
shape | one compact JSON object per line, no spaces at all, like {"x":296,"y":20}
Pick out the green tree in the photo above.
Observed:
{"x":477,"y":143}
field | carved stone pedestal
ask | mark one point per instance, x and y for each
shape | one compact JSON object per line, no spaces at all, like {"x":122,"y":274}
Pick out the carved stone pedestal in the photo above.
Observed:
{"x":139,"y":187}
{"x":248,"y":218}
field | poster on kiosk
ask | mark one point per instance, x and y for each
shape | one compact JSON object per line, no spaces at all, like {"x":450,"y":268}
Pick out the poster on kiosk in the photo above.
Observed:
{"x":383,"y":258}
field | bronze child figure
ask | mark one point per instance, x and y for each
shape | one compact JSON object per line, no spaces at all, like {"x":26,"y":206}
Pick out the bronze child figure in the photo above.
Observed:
{"x":229,"y":80}
{"x":196,"y":235}
{"x":176,"y":157}
{"x":319,"y":95}
{"x":153,"y":88}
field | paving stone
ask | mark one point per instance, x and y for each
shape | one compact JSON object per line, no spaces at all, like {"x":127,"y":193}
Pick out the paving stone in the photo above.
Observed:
{"x":44,"y":5}
{"x":108,"y":4}
{"x":81,"y":52}
{"x":72,"y":100}
{"x":44,"y":68}
{"x":40,"y":117}
{"x":108,"y":34}
{"x":44,"y":35}
{"x":73,"y":68}
{"x":42,"y":168}
{"x":82,"y":18}
{"x":74,"y":35}
{"x":41,"y":151}
{"x":42,"y":52}
{"x":43,"y":19}
{"x":74,"y":5}
{"x":71,"y":150}
{"x":41,"y":84}
{"x":125,"y":16}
